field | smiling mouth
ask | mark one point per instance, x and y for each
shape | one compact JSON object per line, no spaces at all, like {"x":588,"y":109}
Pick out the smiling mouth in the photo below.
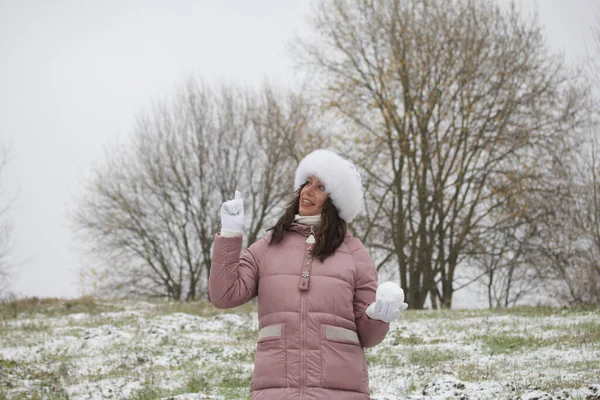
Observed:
{"x":307,"y":202}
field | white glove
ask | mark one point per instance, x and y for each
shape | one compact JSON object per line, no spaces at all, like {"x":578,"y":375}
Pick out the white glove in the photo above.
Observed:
{"x":232,"y":213}
{"x":389,"y":303}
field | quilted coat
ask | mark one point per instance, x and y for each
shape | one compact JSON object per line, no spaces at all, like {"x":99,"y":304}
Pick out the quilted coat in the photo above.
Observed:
{"x":312,"y":321}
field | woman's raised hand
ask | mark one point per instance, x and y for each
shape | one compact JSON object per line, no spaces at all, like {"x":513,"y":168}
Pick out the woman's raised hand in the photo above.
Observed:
{"x":232,"y":213}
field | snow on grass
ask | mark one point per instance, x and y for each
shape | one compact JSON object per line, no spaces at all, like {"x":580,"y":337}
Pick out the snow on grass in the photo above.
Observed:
{"x":143,"y":350}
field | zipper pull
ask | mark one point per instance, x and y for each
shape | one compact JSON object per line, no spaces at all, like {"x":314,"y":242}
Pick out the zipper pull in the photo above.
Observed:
{"x":311,"y":238}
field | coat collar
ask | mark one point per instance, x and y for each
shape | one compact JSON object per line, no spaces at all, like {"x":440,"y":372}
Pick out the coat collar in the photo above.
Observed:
{"x":304,"y":230}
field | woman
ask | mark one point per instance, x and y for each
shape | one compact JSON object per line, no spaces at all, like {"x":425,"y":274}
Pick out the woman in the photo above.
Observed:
{"x":316,"y":285}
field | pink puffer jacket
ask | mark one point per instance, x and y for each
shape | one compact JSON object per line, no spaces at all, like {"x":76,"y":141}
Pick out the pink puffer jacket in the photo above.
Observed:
{"x":312,"y":321}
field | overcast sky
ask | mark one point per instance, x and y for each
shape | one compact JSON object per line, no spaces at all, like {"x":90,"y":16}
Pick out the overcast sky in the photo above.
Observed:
{"x":74,"y":74}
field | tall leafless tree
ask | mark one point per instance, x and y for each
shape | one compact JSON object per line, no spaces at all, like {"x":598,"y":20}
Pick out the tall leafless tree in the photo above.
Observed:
{"x":570,"y":248}
{"x":457,"y":108}
{"x":152,"y":210}
{"x":5,"y":224}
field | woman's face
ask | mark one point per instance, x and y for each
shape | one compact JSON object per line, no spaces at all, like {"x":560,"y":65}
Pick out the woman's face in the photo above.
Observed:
{"x":312,"y":197}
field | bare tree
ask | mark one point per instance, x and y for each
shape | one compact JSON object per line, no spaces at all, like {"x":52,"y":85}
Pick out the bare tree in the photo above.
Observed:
{"x":152,"y":211}
{"x":507,"y":255}
{"x":585,"y":285}
{"x":570,"y":246}
{"x":457,"y":108}
{"x":567,"y":251}
{"x":5,"y":225}
{"x":285,"y":128}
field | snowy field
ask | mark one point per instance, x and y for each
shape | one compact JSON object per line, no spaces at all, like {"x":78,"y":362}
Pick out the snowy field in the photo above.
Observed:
{"x":81,"y":349}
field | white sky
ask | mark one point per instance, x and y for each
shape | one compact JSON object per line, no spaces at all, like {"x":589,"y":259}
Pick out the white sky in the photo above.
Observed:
{"x":74,"y":74}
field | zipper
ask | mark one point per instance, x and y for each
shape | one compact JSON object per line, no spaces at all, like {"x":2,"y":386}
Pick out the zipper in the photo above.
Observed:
{"x":302,"y":344}
{"x":303,"y":286}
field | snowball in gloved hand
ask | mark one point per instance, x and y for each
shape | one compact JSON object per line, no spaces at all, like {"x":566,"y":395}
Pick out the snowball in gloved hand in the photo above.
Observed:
{"x":389,"y":303}
{"x":390,"y":291}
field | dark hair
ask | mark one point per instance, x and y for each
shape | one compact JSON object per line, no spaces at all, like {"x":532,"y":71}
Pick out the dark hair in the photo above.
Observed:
{"x":331,"y":231}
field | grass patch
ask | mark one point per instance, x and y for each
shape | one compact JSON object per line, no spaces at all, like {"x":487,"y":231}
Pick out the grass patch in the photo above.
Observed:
{"x":150,"y":393}
{"x":563,"y":382}
{"x":44,"y":383}
{"x":543,"y":311}
{"x":582,"y":369}
{"x":35,"y":325}
{"x":229,"y":383}
{"x":504,"y":343}
{"x":56,"y":369}
{"x":198,"y":383}
{"x":430,"y":356}
{"x":97,"y":321}
{"x":473,"y":372}
{"x":387,"y":360}
{"x":74,"y":331}
{"x":200,"y":308}
{"x":527,"y":311}
{"x":420,"y":315}
{"x":7,"y":364}
{"x":53,"y":307}
{"x":243,"y":334}
{"x":158,"y":352}
{"x":38,"y":394}
{"x":419,"y":356}
{"x":403,"y":338}
{"x":586,"y":332}
{"x":413,"y":339}
{"x":244,"y":357}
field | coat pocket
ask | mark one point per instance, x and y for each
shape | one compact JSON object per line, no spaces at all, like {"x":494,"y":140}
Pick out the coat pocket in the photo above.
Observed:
{"x":343,"y":364}
{"x":269,"y":359}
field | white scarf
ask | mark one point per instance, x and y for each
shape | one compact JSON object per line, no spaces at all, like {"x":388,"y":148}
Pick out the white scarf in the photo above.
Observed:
{"x":311,"y":220}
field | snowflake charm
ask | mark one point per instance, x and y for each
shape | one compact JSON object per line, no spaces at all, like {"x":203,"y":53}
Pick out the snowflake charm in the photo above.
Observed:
{"x":305,"y":274}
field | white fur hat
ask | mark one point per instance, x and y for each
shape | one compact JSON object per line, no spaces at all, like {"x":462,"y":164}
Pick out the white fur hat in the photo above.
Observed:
{"x":340,"y":177}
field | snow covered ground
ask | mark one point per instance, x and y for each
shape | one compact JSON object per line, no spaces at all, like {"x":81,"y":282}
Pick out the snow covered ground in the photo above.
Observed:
{"x":139,"y":350}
